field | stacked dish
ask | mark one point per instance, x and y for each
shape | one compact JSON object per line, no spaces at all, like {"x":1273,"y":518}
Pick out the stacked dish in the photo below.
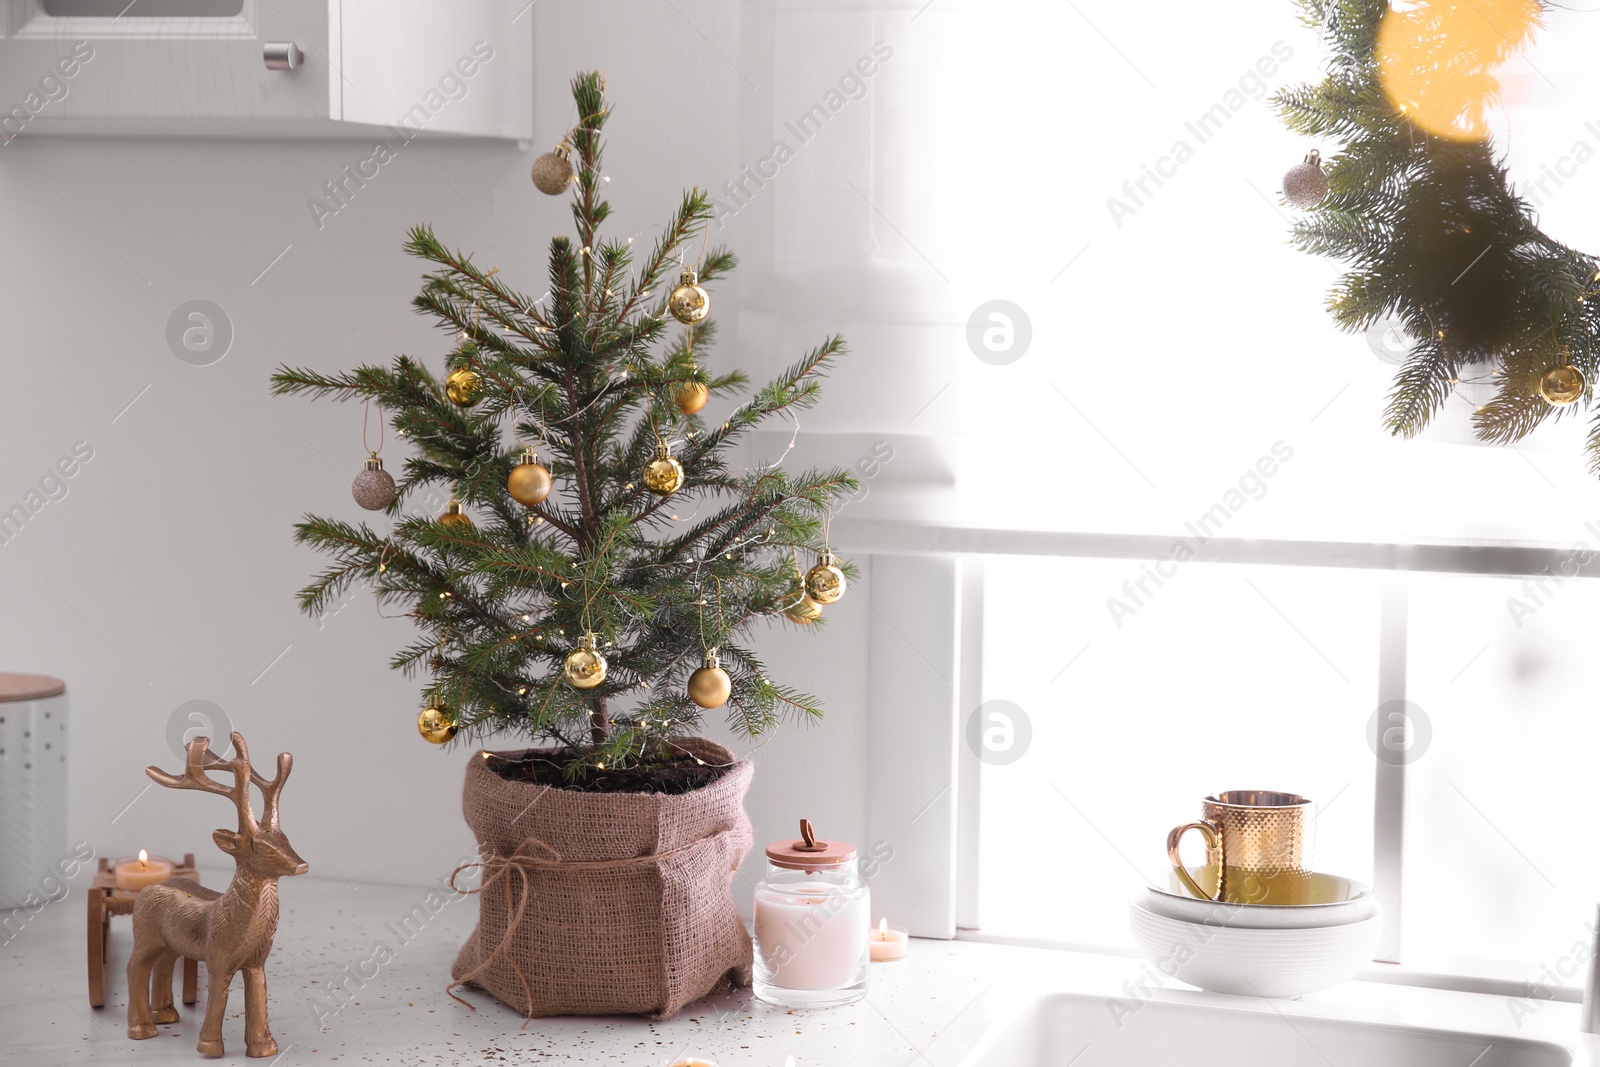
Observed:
{"x":1263,"y":950}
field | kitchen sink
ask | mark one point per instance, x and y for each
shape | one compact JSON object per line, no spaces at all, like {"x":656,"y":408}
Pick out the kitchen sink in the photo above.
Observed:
{"x":1075,"y":1030}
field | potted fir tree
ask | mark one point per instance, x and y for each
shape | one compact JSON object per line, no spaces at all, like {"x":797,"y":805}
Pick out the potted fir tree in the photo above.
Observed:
{"x":588,"y":586}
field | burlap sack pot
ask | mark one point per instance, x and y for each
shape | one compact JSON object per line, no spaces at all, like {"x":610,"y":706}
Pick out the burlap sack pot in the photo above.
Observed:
{"x":606,"y":903}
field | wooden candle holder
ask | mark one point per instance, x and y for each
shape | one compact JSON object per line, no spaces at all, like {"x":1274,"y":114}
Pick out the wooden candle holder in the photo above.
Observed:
{"x":106,"y":900}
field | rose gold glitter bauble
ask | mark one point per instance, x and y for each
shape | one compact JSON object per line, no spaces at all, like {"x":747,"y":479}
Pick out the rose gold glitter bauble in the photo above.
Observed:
{"x":1305,"y":185}
{"x":373,"y":488}
{"x":552,"y":172}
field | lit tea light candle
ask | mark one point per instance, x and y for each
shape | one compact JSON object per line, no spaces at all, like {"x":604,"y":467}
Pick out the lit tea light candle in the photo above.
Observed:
{"x":690,"y":1061}
{"x":889,"y":944}
{"x":135,"y":873}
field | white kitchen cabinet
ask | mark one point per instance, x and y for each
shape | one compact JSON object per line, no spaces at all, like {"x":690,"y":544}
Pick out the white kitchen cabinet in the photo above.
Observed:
{"x":266,"y":67}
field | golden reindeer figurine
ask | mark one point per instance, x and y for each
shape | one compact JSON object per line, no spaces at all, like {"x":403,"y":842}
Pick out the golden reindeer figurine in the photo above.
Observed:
{"x":230,"y":931}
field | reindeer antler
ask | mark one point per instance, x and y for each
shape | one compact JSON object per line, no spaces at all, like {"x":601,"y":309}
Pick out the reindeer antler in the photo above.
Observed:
{"x":201,"y":760}
{"x":270,"y":790}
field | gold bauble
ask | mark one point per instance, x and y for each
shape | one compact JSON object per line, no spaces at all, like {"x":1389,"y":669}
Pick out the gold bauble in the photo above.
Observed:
{"x":462,"y":386}
{"x":825,"y":581}
{"x":710,"y":686}
{"x":663,"y":474}
{"x":586,"y":667}
{"x":1562,"y":385}
{"x":803,"y":611}
{"x":688,"y":303}
{"x":455,"y":516}
{"x":691,"y":397}
{"x":529,"y":481}
{"x":552,"y":172}
{"x":435,"y":724}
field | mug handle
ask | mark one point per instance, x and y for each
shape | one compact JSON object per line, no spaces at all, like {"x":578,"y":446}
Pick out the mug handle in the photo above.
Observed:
{"x":1213,"y":855}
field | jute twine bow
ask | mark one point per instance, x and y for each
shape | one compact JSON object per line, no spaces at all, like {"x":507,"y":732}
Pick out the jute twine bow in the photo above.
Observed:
{"x":531,"y":856}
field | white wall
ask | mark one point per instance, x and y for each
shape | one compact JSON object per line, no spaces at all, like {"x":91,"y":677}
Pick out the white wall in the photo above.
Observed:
{"x":167,"y":573}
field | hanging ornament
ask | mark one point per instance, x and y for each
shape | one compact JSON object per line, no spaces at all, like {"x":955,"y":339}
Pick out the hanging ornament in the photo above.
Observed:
{"x":462,"y":386}
{"x":586,"y":666}
{"x":373,"y":488}
{"x":802,"y":611}
{"x":688,"y":303}
{"x":710,"y":686}
{"x":690,"y":397}
{"x":454,"y":515}
{"x":799,"y":608}
{"x":1562,"y":384}
{"x":435,"y":723}
{"x":529,"y":481}
{"x":1305,"y":185}
{"x":825,"y":581}
{"x":663,"y":474}
{"x":552,"y":172}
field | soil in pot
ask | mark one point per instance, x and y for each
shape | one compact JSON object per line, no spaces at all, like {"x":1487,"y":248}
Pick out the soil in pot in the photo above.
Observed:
{"x":680,"y":774}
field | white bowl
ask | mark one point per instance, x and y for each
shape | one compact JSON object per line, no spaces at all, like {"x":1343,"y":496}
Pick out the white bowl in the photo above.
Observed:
{"x":1260,"y":963}
{"x":1336,"y":901}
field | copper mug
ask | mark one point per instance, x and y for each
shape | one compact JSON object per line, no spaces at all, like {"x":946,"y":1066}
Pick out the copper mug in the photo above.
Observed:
{"x":1256,"y":848}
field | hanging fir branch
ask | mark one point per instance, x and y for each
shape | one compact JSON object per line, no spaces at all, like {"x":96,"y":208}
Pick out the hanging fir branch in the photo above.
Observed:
{"x":1430,"y":229}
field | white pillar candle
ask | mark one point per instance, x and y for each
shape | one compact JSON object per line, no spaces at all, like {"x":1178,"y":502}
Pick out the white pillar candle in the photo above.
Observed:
{"x":810,"y":935}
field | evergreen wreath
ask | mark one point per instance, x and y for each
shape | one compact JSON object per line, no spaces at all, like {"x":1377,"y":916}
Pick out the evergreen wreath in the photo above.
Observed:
{"x":1432,"y":231}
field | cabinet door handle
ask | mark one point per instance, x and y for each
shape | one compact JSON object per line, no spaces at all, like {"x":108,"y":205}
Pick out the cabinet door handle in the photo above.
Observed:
{"x":282,"y":55}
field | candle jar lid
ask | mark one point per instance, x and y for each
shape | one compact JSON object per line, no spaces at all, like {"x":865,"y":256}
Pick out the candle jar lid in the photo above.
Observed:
{"x":809,"y":854}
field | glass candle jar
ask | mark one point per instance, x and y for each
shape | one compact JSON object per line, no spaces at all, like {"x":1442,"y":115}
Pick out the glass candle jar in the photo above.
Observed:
{"x":812,"y":914}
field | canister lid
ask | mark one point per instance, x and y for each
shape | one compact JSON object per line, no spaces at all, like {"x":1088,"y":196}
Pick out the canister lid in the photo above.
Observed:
{"x":15,"y":687}
{"x":809,"y":854}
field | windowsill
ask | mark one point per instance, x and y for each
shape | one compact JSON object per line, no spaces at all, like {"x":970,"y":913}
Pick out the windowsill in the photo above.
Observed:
{"x":1380,"y":973}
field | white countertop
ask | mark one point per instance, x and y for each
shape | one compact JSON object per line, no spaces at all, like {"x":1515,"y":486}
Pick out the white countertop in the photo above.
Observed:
{"x":927,"y":1009}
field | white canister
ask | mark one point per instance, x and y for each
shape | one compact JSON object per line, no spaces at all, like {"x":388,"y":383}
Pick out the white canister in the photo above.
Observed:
{"x":33,"y":784}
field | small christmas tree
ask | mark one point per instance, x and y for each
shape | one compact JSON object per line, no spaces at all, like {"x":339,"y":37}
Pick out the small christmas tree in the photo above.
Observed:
{"x":663,"y":576}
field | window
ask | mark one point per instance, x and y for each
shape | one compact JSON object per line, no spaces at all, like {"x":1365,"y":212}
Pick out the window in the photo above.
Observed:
{"x":1227,"y":677}
{"x":1244,"y":676}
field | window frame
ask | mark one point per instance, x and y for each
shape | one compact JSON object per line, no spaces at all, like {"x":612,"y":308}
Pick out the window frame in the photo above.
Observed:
{"x":967,"y":547}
